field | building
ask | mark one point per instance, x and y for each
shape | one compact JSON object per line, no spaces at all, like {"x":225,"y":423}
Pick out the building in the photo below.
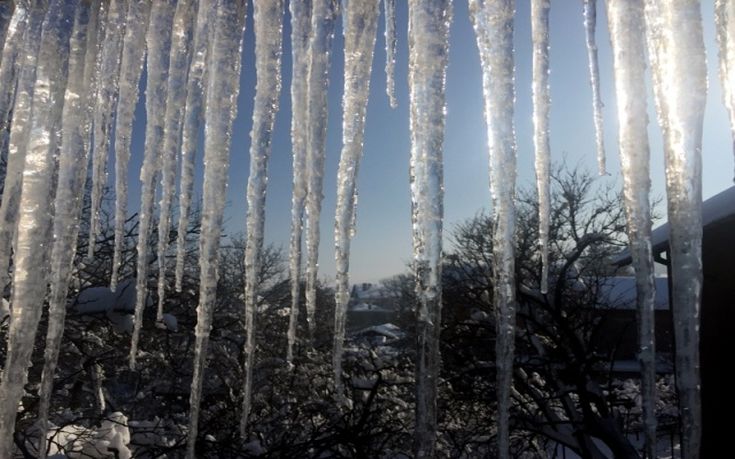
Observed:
{"x":717,"y":320}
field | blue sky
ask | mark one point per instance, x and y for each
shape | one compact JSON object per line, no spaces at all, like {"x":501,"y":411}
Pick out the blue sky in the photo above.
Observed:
{"x":382,"y":245}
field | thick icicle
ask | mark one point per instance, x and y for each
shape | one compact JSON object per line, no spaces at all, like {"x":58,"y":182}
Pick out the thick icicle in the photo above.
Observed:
{"x":268,"y":20}
{"x":590,"y":25}
{"x":223,"y":80}
{"x":73,"y":160}
{"x":361,"y":24}
{"x":725,"y":24}
{"x":107,"y":92}
{"x":627,"y":36}
{"x":131,"y":67}
{"x":195,"y":98}
{"x":158,"y":44}
{"x":390,"y":51}
{"x":19,"y":133}
{"x":676,"y":50}
{"x":541,"y":103}
{"x":428,"y":47}
{"x":323,"y":19}
{"x":300,"y":34}
{"x":12,"y":41}
{"x":175,"y":106}
{"x":493,"y":23}
{"x":35,"y":212}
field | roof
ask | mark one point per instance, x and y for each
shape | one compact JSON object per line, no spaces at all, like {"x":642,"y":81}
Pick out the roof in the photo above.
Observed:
{"x":715,"y":209}
{"x":620,"y":293}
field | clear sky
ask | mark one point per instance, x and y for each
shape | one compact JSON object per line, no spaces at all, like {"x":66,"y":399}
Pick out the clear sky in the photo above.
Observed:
{"x":382,"y":245}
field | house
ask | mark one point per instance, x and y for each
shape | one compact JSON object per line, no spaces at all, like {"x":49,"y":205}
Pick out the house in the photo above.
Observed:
{"x":717,"y":320}
{"x":369,"y":305}
{"x":617,"y":335}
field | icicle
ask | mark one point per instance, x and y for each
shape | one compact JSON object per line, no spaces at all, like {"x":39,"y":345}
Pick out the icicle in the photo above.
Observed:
{"x":627,"y":36}
{"x":493,"y":23}
{"x":390,"y":51}
{"x":590,"y":23}
{"x":428,"y":42}
{"x":323,"y":20}
{"x":676,"y":50}
{"x":361,"y":22}
{"x":268,"y":20}
{"x":73,"y":160}
{"x":300,"y":35}
{"x":223,"y":79}
{"x":107,"y":92}
{"x":195,"y":98}
{"x":12,"y":41}
{"x":725,"y":25}
{"x":175,"y":107}
{"x":133,"y":54}
{"x":35,"y":212}
{"x":19,"y":134}
{"x":541,"y":102}
{"x":6,"y":14}
{"x":158,"y":43}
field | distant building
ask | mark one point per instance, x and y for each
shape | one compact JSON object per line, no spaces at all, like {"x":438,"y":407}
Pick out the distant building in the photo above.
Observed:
{"x":369,"y":305}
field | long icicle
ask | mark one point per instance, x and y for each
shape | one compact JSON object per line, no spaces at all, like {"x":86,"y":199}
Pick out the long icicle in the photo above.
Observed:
{"x":590,"y":25}
{"x":35,"y":214}
{"x":107,"y":96}
{"x":73,"y":160}
{"x":268,"y":20}
{"x":175,"y":108}
{"x":158,"y":43}
{"x":725,"y":26}
{"x":300,"y":36}
{"x":493,"y":23}
{"x":390,"y":51}
{"x":428,"y":47}
{"x":13,"y":40}
{"x":627,"y":36}
{"x":323,"y":20}
{"x":676,"y":51}
{"x":224,"y":78}
{"x":131,"y":68}
{"x":541,"y":104}
{"x":195,"y":99}
{"x":19,"y":134}
{"x":361,"y":25}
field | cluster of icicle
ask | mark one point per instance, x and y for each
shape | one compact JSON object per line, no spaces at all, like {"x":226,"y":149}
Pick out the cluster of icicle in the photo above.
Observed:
{"x":70,"y":68}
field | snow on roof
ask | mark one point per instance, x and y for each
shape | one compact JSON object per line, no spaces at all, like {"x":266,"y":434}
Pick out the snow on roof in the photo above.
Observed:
{"x":388,"y":330}
{"x":367,"y":307}
{"x":714,"y":209}
{"x":367,"y":291}
{"x":620,"y":293}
